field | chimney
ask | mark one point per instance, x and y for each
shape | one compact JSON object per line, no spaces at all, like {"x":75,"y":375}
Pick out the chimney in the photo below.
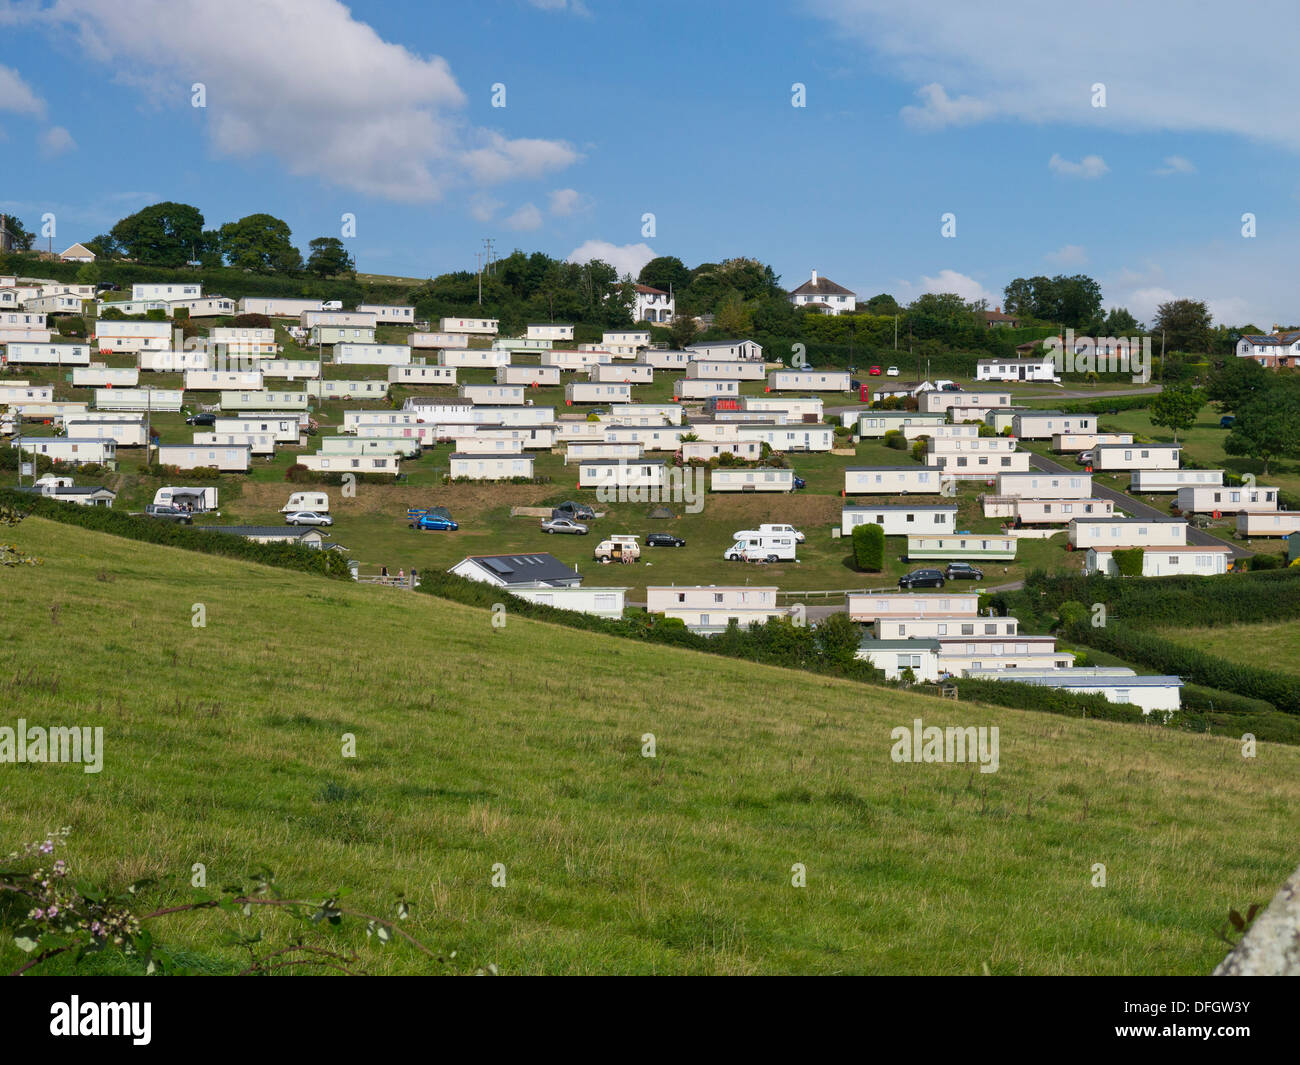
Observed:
{"x":814,"y":279}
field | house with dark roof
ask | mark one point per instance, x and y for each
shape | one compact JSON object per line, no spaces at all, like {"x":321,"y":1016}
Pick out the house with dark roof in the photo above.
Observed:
{"x":825,"y":296}
{"x":530,"y":570}
{"x":995,"y":319}
{"x":653,"y":305}
{"x":1281,"y":348}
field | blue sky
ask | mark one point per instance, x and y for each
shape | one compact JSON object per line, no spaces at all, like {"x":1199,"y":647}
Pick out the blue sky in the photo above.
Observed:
{"x":684,"y":110}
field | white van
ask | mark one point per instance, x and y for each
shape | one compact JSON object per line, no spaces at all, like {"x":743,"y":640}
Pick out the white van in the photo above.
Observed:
{"x":777,"y":530}
{"x":315,"y":502}
{"x":621,"y":548}
{"x":754,"y":546}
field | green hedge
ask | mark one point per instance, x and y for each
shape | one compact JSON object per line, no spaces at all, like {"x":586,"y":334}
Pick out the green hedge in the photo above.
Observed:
{"x":869,"y":547}
{"x":1128,"y":560}
{"x":1049,"y":700}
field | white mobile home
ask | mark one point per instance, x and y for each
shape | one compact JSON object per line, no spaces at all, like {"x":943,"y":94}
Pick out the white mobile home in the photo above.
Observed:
{"x":875,"y":607}
{"x":800,"y":436}
{"x":938,"y":400}
{"x":650,"y":437}
{"x":618,"y":473}
{"x":635,"y":337}
{"x":474,"y":326}
{"x":569,"y":358}
{"x":643,"y":414}
{"x":1112,"y":457}
{"x":483,"y":414}
{"x":962,"y":547}
{"x":54,"y":305}
{"x":422,"y":374}
{"x":22,"y":392}
{"x":525,"y":346}
{"x":759,"y":479}
{"x":274,"y":307}
{"x":203,"y":307}
{"x":264,"y":400}
{"x":714,"y":607}
{"x":341,"y":334}
{"x":1197,"y":560}
{"x":1045,"y":511}
{"x":27,"y":353}
{"x":932,"y":626}
{"x":630,"y":373}
{"x":175,"y":361}
{"x":481,"y":358}
{"x":124,"y":432}
{"x":337,"y":319}
{"x":227,"y":458}
{"x":437,"y":340}
{"x":97,"y":376}
{"x":1277,"y":523}
{"x":892,"y":480}
{"x":125,"y":336}
{"x":959,"y":654}
{"x":284,"y":429}
{"x":532,"y":376}
{"x":510,"y":395}
{"x":146,"y":399}
{"x":528,"y":437}
{"x":699,"y":388}
{"x":712,"y":351}
{"x":1070,"y":442}
{"x":900,"y":519}
{"x":74,"y":450}
{"x":597,"y":392}
{"x":255,"y":341}
{"x":1173,"y":480}
{"x":366,"y":445}
{"x":668,"y":360}
{"x":262,"y":444}
{"x":1121,"y":533}
{"x":466,"y":442}
{"x":1016,"y":369}
{"x":1118,"y":684}
{"x":704,"y":450}
{"x":216,"y":380}
{"x":896,"y":657}
{"x":289,"y":369}
{"x":1045,"y":424}
{"x":333,"y":388}
{"x":796,"y":408}
{"x":551,"y":331}
{"x":388,"y":314}
{"x":809,"y":381}
{"x":874,"y":424}
{"x":390,"y":418}
{"x":372,"y":354}
{"x":983,"y":464}
{"x":726,"y":370}
{"x":1217,"y":499}
{"x":600,"y":602}
{"x":167,"y":291}
{"x":1034,"y":485}
{"x":581,"y":450}
{"x":325,"y":462}
{"x":491,"y":467}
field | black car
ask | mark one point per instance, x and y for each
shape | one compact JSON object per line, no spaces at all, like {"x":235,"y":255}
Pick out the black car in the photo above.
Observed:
{"x":664,"y":540}
{"x":201,"y":419}
{"x":922,"y":578}
{"x":963,"y":571}
{"x":574,"y":511}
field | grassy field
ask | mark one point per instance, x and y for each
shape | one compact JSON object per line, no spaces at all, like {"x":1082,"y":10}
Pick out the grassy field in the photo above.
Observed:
{"x":521,"y":745}
{"x":1269,"y":645}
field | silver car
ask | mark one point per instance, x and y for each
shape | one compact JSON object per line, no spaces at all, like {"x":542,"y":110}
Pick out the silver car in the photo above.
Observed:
{"x":308,"y":517}
{"x":563,"y":525}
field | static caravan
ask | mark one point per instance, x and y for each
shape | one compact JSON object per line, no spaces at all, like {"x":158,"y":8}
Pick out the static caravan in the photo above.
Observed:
{"x":1045,"y":485}
{"x":600,"y":602}
{"x":809,"y":381}
{"x":525,"y":346}
{"x":227,"y":459}
{"x":10,"y":335}
{"x":532,"y":376}
{"x":758,"y":479}
{"x":466,"y":442}
{"x":372,"y":354}
{"x":1117,"y":684}
{"x":717,"y":432}
{"x":896,"y":657}
{"x":705,"y":450}
{"x":1001,"y":419}
{"x":649,"y":437}
{"x":957,"y":654}
{"x":367,"y":445}
{"x":549,"y":331}
{"x":480,"y":358}
{"x":1109,"y":457}
{"x":252,"y":341}
{"x":597,"y":392}
{"x":1277,"y":523}
{"x":714,"y":607}
{"x":1173,"y":480}
{"x":715,"y":350}
{"x":216,"y":380}
{"x":615,"y":351}
{"x":1045,"y":424}
{"x":325,"y":462}
{"x":167,"y":290}
{"x":97,"y":376}
{"x":900,"y":519}
{"x":915,"y":431}
{"x":27,"y":353}
{"x":264,"y":400}
{"x":474,"y":326}
{"x":175,"y":361}
{"x":796,"y":408}
{"x":490,"y":467}
{"x":619,"y":473}
{"x":964,"y":547}
{"x":643,"y":414}
{"x":799,"y":436}
{"x":341,"y":334}
{"x":388,"y":314}
{"x":390,"y":418}
{"x":875,"y":607}
{"x":290,"y":369}
{"x":1068,"y":442}
{"x":637,"y":337}
{"x":204,"y":307}
{"x":132,"y":336}
{"x":892,"y":480}
{"x":1112,"y":533}
{"x":726,"y":370}
{"x":262,"y":444}
{"x":147,"y":399}
{"x":125,"y":431}
{"x":510,"y":395}
{"x":630,"y":373}
{"x":492,"y":415}
{"x":1016,"y":369}
{"x":437,"y":409}
{"x":332,"y":388}
{"x":571,"y":359}
{"x":284,"y":429}
{"x":1045,"y":511}
{"x":437,"y":340}
{"x":964,"y":466}
{"x":528,"y":437}
{"x":970,"y":445}
{"x":71,"y":449}
{"x":56,"y":411}
{"x":1217,"y":499}
{"x":569,"y":429}
{"x":929,"y":627}
{"x":874,"y":424}
{"x":422,"y":374}
{"x":698,"y":388}
{"x":22,"y":392}
{"x":54,"y":305}
{"x":337,"y":319}
{"x":668,"y":360}
{"x":939,"y":400}
{"x":1197,"y":561}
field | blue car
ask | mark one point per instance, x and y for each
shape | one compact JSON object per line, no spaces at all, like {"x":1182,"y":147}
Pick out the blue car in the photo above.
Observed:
{"x":799,"y":482}
{"x":434,"y":523}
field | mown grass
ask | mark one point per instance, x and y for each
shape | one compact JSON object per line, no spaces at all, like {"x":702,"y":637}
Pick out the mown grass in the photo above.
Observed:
{"x":1269,"y":645}
{"x":521,"y":745}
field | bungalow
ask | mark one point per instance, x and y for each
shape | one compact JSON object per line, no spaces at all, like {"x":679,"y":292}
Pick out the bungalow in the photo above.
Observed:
{"x":388,"y":314}
{"x":711,"y":608}
{"x":714,"y":350}
{"x":700,"y":388}
{"x":580,"y":450}
{"x":474,"y":326}
{"x":372,"y":354}
{"x":534,"y":570}
{"x":421,"y":374}
{"x":1277,"y":523}
{"x":262,"y":444}
{"x":216,"y":380}
{"x":895,"y":657}
{"x":892,"y":480}
{"x":78,"y":253}
{"x":265,"y":400}
{"x":1108,"y":457}
{"x":1118,"y":684}
{"x":123,"y":336}
{"x":532,"y":376}
{"x":1045,"y":424}
{"x":620,"y":473}
{"x":1173,"y":480}
{"x":809,"y":381}
{"x":1034,"y":485}
{"x":123,"y":431}
{"x":938,"y":400}
{"x":437,"y":340}
{"x":900,"y":519}
{"x":600,"y":602}
{"x":597,"y":392}
{"x":1164,"y":561}
{"x":167,"y":290}
{"x":1118,"y":533}
{"x":510,"y":395}
{"x":341,"y":334}
{"x":174,"y":361}
{"x":490,"y":467}
{"x":875,"y":607}
{"x":705,"y":450}
{"x":1016,"y":369}
{"x":272,"y":534}
{"x":1216,"y":499}
{"x":27,"y":353}
{"x":97,"y":375}
{"x":274,"y":307}
{"x":995,"y":319}
{"x":333,"y":462}
{"x":874,"y":424}
{"x":755,"y":479}
{"x":962,"y":547}
{"x":75,"y":450}
{"x":668,"y":360}
{"x":1066,"y":442}
{"x":146,"y":399}
{"x":629,"y":373}
{"x":227,"y":459}
{"x":333,"y":388}
{"x":551,"y":331}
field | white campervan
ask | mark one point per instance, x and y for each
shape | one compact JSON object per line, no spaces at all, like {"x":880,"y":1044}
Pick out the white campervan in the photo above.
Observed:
{"x":777,"y":530}
{"x":315,"y":502}
{"x":754,"y":545}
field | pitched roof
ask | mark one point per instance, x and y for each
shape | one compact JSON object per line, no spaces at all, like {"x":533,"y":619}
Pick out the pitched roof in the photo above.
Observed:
{"x":528,"y":568}
{"x":646,"y":290}
{"x":823,"y":286}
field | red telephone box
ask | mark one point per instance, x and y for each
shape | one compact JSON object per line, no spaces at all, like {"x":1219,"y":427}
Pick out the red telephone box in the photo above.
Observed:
{"x":864,"y":393}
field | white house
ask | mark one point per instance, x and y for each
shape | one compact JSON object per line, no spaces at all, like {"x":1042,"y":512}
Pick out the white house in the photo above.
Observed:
{"x":1279,"y":349}
{"x":1045,"y":424}
{"x":639,"y":338}
{"x":1016,"y":369}
{"x":958,"y":654}
{"x":205,"y":307}
{"x":473,"y":326}
{"x":1121,"y":533}
{"x":895,"y":657}
{"x":984,"y":463}
{"x":824,"y":295}
{"x":372,"y":354}
{"x":714,"y":607}
{"x":228,"y":459}
{"x":809,"y":381}
{"x":491,"y":467}
{"x":1278,"y":523}
{"x":653,"y":305}
{"x":1217,"y":499}
{"x":615,"y":351}
{"x":892,"y":480}
{"x":71,"y":449}
{"x":1111,"y":457}
{"x":600,"y":602}
{"x":745,"y":479}
{"x":900,"y":519}
{"x":364,"y":445}
{"x":714,"y":350}
{"x":551,"y":331}
{"x":22,"y":392}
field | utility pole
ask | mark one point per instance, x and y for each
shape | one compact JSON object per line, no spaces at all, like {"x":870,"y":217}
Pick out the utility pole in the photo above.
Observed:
{"x":478,"y":269}
{"x":488,"y":242}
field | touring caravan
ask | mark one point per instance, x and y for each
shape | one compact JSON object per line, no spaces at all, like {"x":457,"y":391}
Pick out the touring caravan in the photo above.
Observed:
{"x":200,"y":500}
{"x":316,"y":502}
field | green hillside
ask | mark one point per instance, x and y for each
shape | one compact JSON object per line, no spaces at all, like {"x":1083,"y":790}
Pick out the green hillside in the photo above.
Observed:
{"x":521,"y":745}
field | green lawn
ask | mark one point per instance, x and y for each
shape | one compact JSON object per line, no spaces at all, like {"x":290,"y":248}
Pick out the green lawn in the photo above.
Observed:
{"x":520,"y":745}
{"x":1268,"y":645}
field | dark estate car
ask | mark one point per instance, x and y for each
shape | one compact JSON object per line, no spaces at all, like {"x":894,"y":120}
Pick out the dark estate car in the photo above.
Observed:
{"x":201,"y":419}
{"x":664,"y":540}
{"x":922,"y":578}
{"x":963,"y":571}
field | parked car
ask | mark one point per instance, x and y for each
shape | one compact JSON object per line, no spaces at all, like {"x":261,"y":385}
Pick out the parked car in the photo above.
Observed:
{"x":430,"y":521}
{"x":1227,"y":421}
{"x":171,"y":513}
{"x":892,"y":372}
{"x":875,"y":371}
{"x":617,"y":549}
{"x":951,"y":386}
{"x":1085,"y":458}
{"x":564,"y":525}
{"x":922,"y":578}
{"x":574,"y":511}
{"x":963,"y":571}
{"x":664,"y":540}
{"x":855,"y":386}
{"x":799,"y":482}
{"x":307,"y":517}
{"x":204,"y":418}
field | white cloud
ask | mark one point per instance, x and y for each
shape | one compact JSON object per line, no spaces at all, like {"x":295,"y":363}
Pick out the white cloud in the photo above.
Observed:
{"x":311,"y":85}
{"x":55,"y":141}
{"x":1090,"y":166}
{"x":1176,"y":164}
{"x":953,"y":281}
{"x":565,"y":202}
{"x":1068,"y":255}
{"x":625,"y":258}
{"x":1063,"y":49}
{"x":526,"y":218}
{"x":573,"y":7}
{"x":938,"y":109}
{"x":17,"y":96}
{"x":483,"y":207}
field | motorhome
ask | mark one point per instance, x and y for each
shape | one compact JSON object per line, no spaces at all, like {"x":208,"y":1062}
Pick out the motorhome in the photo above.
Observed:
{"x":754,"y":545}
{"x":315,"y":502}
